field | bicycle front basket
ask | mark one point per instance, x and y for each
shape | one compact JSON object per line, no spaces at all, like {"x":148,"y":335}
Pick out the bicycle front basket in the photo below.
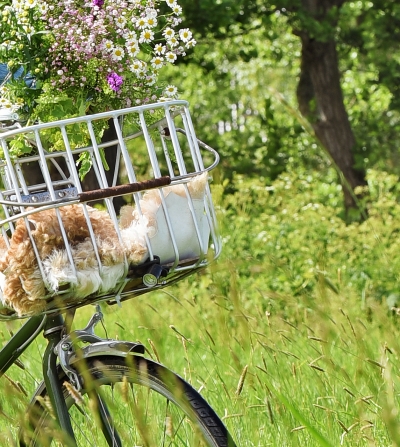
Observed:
{"x":142,"y":218}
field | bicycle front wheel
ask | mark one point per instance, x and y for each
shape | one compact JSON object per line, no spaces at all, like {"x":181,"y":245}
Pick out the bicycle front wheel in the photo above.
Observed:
{"x":131,"y":402}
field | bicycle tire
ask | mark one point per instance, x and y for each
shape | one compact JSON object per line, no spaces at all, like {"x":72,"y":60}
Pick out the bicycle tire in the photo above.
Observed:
{"x":184,"y":409}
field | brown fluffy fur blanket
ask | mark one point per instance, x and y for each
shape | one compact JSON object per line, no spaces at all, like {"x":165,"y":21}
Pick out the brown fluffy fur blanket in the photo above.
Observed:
{"x":26,"y":284}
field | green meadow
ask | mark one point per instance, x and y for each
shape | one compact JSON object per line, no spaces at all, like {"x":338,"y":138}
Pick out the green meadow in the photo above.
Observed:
{"x":292,"y":334}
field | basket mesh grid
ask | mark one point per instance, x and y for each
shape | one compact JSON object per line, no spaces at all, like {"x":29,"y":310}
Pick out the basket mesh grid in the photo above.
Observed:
{"x":49,"y":223}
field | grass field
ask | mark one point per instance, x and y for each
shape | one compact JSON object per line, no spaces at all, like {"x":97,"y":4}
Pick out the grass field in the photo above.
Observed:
{"x":319,"y":368}
{"x":313,"y":374}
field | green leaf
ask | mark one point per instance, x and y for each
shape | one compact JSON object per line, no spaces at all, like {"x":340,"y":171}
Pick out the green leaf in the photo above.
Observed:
{"x":83,"y":106}
{"x":58,"y":112}
{"x":85,"y":163}
{"x":19,"y":147}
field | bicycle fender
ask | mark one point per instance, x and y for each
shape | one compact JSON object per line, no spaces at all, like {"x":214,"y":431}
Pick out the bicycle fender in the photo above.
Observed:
{"x":106,"y":347}
{"x":67,"y":355}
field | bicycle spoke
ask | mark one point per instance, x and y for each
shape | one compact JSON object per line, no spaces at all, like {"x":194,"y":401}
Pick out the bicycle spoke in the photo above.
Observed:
{"x":142,"y":404}
{"x":106,"y":424}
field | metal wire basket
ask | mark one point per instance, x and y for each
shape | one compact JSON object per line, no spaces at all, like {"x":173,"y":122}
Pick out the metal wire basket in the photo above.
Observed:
{"x":66,"y":242}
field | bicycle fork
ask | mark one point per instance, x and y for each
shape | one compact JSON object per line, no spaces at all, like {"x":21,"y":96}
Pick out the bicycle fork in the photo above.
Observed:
{"x":64,"y":350}
{"x":53,"y":333}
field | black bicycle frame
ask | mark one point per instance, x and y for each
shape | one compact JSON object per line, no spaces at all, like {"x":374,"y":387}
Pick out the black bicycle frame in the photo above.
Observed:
{"x":20,"y":341}
{"x":52,"y":328}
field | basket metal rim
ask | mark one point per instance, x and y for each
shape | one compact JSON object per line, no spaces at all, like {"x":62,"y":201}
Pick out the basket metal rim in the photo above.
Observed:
{"x":97,"y":116}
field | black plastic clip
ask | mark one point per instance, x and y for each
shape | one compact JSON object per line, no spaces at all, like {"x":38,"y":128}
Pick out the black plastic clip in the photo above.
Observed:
{"x":150,"y":272}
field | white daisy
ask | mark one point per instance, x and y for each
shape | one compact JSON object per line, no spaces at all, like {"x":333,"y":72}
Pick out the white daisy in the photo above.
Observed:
{"x":131,"y":40}
{"x":129,"y":35}
{"x":170,"y":91}
{"x":191,"y":43}
{"x":171,"y":3}
{"x":177,"y":10}
{"x":31,"y":3}
{"x":132,"y":49}
{"x":120,"y":21}
{"x":151,"y":79}
{"x":108,"y":45}
{"x":43,"y":7}
{"x":141,"y":74}
{"x":141,"y":23}
{"x":136,"y":66}
{"x":159,"y":48}
{"x":172,"y":42}
{"x":4,"y":102}
{"x":157,"y":62}
{"x":168,"y":33}
{"x":170,"y":57}
{"x":185,"y":34}
{"x":146,"y":36}
{"x":151,"y":22}
{"x":18,"y":5}
{"x":29,"y":30}
{"x":118,"y":53}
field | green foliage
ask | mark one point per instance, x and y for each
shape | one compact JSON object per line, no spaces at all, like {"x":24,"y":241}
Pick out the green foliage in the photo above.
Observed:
{"x":221,"y":19}
{"x":242,"y":78}
{"x":19,"y":147}
{"x":368,"y":60}
{"x":375,"y":34}
{"x":292,"y":238}
{"x":244,"y":102}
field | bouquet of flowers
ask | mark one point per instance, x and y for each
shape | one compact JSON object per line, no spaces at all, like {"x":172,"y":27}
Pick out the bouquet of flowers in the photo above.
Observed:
{"x":87,"y":56}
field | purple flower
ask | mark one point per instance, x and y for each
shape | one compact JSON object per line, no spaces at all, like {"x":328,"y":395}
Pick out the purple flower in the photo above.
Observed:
{"x":114,"y":81}
{"x":98,"y":3}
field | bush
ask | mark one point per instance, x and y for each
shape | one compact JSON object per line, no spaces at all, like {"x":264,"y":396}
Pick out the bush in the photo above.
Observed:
{"x":287,"y":238}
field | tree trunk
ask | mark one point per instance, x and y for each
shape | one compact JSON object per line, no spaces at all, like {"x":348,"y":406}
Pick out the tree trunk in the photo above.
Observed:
{"x":320,"y":100}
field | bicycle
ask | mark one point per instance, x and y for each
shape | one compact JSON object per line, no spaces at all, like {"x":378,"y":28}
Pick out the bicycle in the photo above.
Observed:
{"x":88,"y":379}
